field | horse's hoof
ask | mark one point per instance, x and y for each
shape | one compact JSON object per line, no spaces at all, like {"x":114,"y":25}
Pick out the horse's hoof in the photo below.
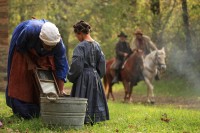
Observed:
{"x":130,"y":100}
{"x":152,"y":102}
{"x":148,"y":101}
{"x":124,"y":101}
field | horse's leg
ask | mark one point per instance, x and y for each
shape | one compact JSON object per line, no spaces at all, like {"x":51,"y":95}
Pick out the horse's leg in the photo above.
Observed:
{"x":149,"y":90}
{"x":126,"y":88}
{"x":111,"y":92}
{"x":152,"y":92}
{"x":130,"y":92}
{"x":108,"y":94}
{"x":107,"y":88}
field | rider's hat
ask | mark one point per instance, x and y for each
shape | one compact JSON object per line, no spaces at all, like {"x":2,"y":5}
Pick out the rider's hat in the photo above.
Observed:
{"x":122,"y":34}
{"x":138,"y":31}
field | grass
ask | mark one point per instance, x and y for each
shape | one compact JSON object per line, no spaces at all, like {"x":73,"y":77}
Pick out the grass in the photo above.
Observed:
{"x":125,"y":118}
{"x":173,"y":87}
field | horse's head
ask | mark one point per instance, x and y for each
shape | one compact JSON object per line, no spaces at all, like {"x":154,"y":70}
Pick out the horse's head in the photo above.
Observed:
{"x":160,"y":59}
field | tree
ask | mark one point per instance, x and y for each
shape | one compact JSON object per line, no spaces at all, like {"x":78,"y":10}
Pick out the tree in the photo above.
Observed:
{"x":156,"y":21}
{"x":186,"y":28}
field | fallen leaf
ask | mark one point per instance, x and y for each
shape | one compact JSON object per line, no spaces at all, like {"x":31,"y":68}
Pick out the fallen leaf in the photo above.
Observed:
{"x":117,"y":130}
{"x":27,"y":130}
{"x":165,"y":118}
{"x":130,"y":126}
{"x":9,"y":130}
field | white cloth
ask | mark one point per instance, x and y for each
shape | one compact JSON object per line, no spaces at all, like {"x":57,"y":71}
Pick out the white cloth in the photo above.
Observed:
{"x":49,"y":34}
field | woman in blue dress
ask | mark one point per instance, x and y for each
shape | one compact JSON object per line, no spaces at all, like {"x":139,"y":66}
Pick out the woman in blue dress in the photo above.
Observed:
{"x":38,"y":42}
{"x":86,"y":71}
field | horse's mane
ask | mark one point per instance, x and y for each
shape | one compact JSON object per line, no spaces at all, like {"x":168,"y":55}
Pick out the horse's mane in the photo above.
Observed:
{"x":133,"y":57}
{"x":151,"y":55}
{"x":133,"y":54}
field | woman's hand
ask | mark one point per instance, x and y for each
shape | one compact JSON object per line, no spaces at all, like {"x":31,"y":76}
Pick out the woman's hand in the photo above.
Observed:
{"x":61,"y":87}
{"x":125,"y":54}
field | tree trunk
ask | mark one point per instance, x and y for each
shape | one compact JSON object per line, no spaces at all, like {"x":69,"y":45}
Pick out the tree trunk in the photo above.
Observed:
{"x":188,"y":40}
{"x":155,"y":9}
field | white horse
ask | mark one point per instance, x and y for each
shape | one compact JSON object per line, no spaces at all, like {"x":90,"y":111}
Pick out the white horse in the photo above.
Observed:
{"x":152,"y":63}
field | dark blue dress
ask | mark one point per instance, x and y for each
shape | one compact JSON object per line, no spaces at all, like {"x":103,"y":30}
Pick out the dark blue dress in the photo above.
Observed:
{"x":24,"y":38}
{"x":86,"y":71}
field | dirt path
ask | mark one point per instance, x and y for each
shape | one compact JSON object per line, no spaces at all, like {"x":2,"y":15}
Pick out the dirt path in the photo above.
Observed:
{"x":179,"y":102}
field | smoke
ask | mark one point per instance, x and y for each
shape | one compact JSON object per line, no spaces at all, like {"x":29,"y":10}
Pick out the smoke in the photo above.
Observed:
{"x":185,"y":65}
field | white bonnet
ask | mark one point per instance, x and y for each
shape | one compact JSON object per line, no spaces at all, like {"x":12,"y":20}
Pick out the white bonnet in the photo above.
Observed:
{"x":49,"y":34}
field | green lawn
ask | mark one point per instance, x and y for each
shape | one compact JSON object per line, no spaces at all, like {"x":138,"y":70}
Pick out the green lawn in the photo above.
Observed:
{"x":126,"y":117}
{"x":123,"y":118}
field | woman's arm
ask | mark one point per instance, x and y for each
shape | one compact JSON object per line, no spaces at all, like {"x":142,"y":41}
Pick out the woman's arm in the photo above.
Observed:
{"x":61,"y":64}
{"x":77,"y":65}
{"x":101,"y":63}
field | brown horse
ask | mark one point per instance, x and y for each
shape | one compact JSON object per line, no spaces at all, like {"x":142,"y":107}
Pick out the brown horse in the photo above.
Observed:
{"x":129,"y":75}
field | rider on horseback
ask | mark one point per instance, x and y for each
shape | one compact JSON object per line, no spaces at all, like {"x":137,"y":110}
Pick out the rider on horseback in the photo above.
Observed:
{"x":123,"y":50}
{"x":145,"y":44}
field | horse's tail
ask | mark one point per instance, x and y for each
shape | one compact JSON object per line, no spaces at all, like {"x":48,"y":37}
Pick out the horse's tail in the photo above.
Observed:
{"x":105,"y":84}
{"x":107,"y":78}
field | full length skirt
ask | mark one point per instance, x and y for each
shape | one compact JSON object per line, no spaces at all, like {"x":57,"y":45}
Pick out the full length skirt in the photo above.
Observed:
{"x":89,"y":86}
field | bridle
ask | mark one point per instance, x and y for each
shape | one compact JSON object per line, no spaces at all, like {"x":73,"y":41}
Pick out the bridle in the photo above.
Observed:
{"x":157,"y":63}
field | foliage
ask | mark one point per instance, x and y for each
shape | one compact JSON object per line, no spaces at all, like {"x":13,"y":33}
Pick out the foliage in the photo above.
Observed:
{"x":123,"y":118}
{"x":108,"y":18}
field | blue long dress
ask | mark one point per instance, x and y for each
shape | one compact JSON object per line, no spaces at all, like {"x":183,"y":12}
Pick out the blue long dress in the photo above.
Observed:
{"x":24,"y":38}
{"x":86,"y":71}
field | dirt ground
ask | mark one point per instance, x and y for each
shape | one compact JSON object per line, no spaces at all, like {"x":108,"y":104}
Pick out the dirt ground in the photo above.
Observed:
{"x":179,"y":102}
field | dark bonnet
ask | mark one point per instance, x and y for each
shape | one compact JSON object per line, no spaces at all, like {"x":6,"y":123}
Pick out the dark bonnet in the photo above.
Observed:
{"x":82,"y":26}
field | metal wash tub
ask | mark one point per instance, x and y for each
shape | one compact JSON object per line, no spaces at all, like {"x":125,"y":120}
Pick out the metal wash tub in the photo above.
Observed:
{"x":66,"y":112}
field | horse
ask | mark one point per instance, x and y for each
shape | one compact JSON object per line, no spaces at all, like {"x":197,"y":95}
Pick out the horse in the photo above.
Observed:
{"x":152,"y":63}
{"x":128,"y":75}
{"x":137,"y":68}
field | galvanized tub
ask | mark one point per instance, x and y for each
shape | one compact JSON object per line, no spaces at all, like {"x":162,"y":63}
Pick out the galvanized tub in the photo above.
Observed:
{"x":66,"y":112}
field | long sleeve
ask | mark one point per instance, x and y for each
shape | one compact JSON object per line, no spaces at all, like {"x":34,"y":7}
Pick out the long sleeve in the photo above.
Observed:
{"x":101,"y":64}
{"x":29,"y":36}
{"x":152,"y":45}
{"x":118,"y":50}
{"x":77,"y":65}
{"x":129,"y":48}
{"x":61,"y":62}
{"x":133,"y":44}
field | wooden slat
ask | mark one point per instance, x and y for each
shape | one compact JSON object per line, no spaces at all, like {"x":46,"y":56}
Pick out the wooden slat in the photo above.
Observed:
{"x":3,"y":22}
{"x":3,"y":8}
{"x":3,"y":2}
{"x":4,"y":14}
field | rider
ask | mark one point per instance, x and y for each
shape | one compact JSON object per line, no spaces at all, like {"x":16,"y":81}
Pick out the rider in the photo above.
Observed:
{"x":145,"y":44}
{"x":123,"y":50}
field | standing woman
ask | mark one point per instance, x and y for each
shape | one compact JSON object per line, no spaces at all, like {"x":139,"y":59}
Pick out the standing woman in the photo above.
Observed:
{"x":86,"y":71}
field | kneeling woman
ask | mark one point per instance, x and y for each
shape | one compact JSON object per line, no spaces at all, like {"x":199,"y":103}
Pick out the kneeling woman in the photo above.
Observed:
{"x":86,"y":71}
